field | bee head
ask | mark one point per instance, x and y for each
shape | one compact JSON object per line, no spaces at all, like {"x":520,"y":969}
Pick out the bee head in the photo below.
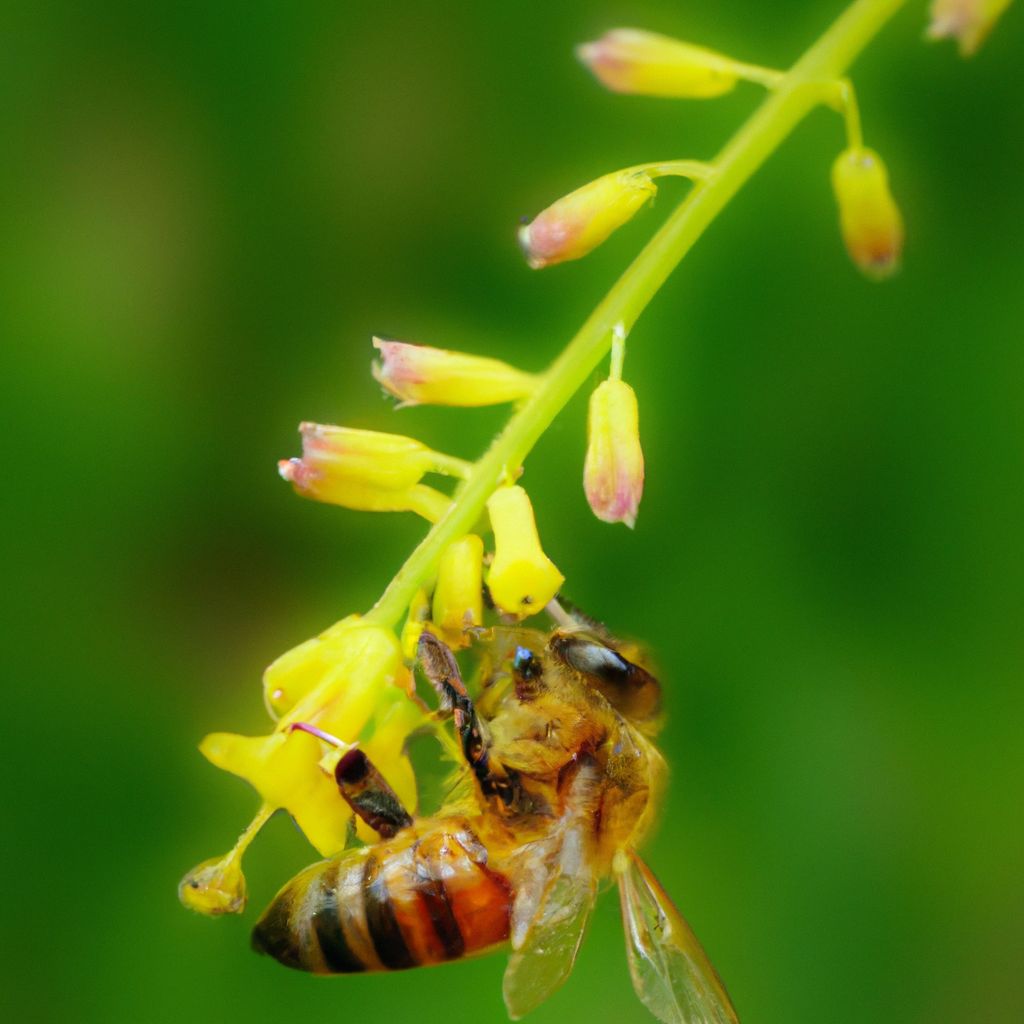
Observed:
{"x":628,"y":687}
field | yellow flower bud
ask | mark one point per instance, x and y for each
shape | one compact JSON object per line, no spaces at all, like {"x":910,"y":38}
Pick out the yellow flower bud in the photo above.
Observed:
{"x":966,"y":21}
{"x":458,"y":595}
{"x":522,"y":579}
{"x":871,"y":223}
{"x":417,"y":374}
{"x":368,"y":470}
{"x":631,"y":60}
{"x":579,"y":222}
{"x":613,"y":473}
{"x":217,"y":886}
{"x":419,"y":612}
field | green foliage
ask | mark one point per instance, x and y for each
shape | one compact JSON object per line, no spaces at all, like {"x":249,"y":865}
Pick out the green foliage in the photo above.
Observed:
{"x":210,"y":210}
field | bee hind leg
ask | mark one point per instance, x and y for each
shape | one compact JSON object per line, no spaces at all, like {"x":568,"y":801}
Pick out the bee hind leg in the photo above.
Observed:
{"x":367,"y":792}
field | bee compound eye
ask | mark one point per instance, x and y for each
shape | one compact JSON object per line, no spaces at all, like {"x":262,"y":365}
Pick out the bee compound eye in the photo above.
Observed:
{"x":526,"y":664}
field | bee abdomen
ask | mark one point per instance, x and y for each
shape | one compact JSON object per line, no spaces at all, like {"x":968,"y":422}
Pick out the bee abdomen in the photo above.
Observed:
{"x":312,"y":924}
{"x":401,"y":904}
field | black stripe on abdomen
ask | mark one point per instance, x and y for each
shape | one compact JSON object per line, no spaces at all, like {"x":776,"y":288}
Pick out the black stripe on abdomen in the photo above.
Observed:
{"x":381,"y":922}
{"x":434,"y":897}
{"x":338,"y":954}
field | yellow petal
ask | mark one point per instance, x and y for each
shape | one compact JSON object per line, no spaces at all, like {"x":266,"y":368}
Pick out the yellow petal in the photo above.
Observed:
{"x":283,"y":769}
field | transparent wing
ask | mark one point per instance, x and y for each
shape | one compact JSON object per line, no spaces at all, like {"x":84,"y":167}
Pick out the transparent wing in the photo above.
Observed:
{"x":671,"y":972}
{"x":545,"y":948}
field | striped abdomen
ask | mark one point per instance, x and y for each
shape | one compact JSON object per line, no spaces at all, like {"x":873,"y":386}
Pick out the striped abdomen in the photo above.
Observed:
{"x":417,"y":899}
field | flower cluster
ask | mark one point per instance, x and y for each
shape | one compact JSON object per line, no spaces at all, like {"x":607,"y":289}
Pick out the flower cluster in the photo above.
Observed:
{"x":353,"y":684}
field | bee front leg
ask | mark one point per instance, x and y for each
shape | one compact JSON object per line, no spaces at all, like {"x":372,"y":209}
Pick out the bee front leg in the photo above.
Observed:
{"x":438,"y":664}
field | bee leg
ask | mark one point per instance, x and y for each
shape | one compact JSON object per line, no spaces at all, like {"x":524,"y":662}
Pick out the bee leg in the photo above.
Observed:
{"x":366,"y":791}
{"x":441,"y":670}
{"x":439,"y":666}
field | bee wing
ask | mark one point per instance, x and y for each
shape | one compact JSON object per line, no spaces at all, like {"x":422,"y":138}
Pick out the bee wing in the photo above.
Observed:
{"x":545,"y":948}
{"x":671,"y":972}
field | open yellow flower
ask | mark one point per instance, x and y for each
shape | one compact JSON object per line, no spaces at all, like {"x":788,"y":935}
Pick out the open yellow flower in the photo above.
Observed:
{"x":350,"y":683}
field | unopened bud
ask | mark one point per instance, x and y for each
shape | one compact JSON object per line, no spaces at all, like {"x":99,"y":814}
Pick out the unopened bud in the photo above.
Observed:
{"x":522,"y":579}
{"x":458,"y":596}
{"x":870,"y":220}
{"x":368,"y":471}
{"x":435,"y":376}
{"x":966,"y":21}
{"x":631,"y":60}
{"x":217,"y":886}
{"x":613,"y":473}
{"x":419,"y":612}
{"x":578,"y":223}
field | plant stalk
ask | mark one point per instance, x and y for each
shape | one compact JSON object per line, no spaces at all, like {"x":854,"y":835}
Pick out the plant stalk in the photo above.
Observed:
{"x":803,"y":87}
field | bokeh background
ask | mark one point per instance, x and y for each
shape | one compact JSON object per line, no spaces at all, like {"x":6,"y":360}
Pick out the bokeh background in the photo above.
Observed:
{"x":207,"y":209}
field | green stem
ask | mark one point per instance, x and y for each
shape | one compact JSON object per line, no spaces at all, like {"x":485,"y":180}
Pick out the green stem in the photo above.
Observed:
{"x":795,"y":95}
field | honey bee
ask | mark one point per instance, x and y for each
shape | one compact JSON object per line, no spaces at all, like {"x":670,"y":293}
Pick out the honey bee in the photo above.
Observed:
{"x":563,"y":782}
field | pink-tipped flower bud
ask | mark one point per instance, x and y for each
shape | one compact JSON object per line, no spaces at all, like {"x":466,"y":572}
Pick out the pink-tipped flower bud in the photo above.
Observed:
{"x":870,"y":220}
{"x":966,"y":21}
{"x":630,"y":60}
{"x":613,"y":473}
{"x":578,"y":223}
{"x":368,"y":470}
{"x":417,"y":374}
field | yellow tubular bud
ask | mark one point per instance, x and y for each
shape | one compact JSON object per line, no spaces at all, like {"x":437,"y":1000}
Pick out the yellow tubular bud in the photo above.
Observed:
{"x":579,"y":222}
{"x":613,"y":472}
{"x":417,"y":374}
{"x":522,"y":579}
{"x":630,"y":60}
{"x":458,"y":596}
{"x":870,"y":220}
{"x":368,"y":471}
{"x":351,"y":494}
{"x":419,"y":612}
{"x":966,"y":21}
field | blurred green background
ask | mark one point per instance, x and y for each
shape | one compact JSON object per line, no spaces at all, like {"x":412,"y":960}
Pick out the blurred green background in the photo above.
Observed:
{"x":207,"y":210}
